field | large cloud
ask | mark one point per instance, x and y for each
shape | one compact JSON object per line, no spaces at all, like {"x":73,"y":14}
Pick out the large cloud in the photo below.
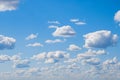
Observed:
{"x":100,"y":39}
{"x":8,"y":5}
{"x":6,"y":42}
{"x":64,"y":31}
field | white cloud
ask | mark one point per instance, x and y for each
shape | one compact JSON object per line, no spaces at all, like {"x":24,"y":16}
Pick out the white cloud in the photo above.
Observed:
{"x":7,"y":42}
{"x":51,"y":57}
{"x":53,"y":26}
{"x":57,"y":54}
{"x":117,"y":16}
{"x":74,"y":47}
{"x":80,"y":23}
{"x":74,"y":20}
{"x":31,"y":36}
{"x":64,"y":31}
{"x":50,"y":60}
{"x":39,"y":56}
{"x":54,"y":22}
{"x":8,"y":5}
{"x":111,"y":61}
{"x":92,"y":61}
{"x":55,"y":41}
{"x":4,"y":58}
{"x":35,"y":45}
{"x":100,"y":39}
{"x":21,"y":63}
{"x":77,"y":22}
{"x":90,"y":53}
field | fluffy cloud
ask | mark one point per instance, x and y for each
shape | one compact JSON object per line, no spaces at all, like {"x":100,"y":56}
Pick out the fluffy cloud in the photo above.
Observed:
{"x":51,"y":57}
{"x":31,"y":36}
{"x":90,"y":53}
{"x":54,"y":41}
{"x":8,"y":5}
{"x":39,"y":56}
{"x":35,"y":45}
{"x":7,"y":42}
{"x":92,"y":61}
{"x":4,"y":58}
{"x":74,"y":47}
{"x":100,"y":39}
{"x":64,"y":31}
{"x":21,"y":63}
{"x":117,"y":16}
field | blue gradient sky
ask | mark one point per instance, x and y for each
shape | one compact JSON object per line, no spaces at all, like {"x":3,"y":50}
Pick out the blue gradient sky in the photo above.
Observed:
{"x":33,"y":17}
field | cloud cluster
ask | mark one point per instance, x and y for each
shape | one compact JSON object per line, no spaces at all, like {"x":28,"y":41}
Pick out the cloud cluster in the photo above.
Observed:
{"x":100,"y":39}
{"x":7,"y":42}
{"x":64,"y":31}
{"x":51,"y":57}
{"x":8,"y":5}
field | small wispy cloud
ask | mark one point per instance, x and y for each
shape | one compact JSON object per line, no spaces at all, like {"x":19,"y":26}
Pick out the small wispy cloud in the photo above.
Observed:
{"x":54,"y":41}
{"x":53,"y":22}
{"x":31,"y":36}
{"x":77,"y":22}
{"x":36,"y":44}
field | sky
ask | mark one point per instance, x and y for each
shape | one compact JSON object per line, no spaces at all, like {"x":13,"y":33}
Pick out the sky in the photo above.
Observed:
{"x":59,"y":39}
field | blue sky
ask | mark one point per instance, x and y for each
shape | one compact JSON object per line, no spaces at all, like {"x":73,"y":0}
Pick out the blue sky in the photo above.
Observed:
{"x":59,"y":39}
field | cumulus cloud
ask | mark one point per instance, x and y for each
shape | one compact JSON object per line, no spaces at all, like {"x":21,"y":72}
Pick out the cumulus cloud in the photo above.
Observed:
{"x":21,"y":63}
{"x":4,"y":58}
{"x":54,"y":41}
{"x":117,"y":16}
{"x":51,"y":57}
{"x":91,"y":53}
{"x":100,"y":39}
{"x":31,"y":36}
{"x":35,"y":45}
{"x":64,"y":31}
{"x":7,"y":42}
{"x":39,"y":56}
{"x":8,"y":5}
{"x":73,"y":47}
